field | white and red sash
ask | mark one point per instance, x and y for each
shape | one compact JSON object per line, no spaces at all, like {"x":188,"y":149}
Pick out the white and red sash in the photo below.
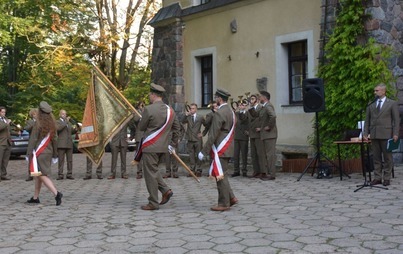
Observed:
{"x":153,"y":137}
{"x":33,"y":166}
{"x":216,"y":170}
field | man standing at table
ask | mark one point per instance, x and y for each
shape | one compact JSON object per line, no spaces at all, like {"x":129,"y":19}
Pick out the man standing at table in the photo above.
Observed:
{"x":382,"y":123}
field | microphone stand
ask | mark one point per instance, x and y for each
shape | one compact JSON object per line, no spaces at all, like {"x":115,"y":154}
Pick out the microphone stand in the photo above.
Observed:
{"x":366,"y":166}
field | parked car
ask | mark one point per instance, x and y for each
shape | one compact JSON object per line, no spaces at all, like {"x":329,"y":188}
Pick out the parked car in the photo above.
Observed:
{"x":19,"y":144}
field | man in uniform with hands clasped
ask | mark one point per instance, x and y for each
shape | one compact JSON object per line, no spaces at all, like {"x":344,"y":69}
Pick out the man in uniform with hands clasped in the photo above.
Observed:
{"x":382,"y":123}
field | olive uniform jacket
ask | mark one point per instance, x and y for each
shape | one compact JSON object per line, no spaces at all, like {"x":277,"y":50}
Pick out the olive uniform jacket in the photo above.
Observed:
{"x":4,"y":134}
{"x":64,"y":132}
{"x":153,"y":118}
{"x":254,"y":122}
{"x":193,"y":127}
{"x":207,"y":122}
{"x":44,"y":159}
{"x":120,"y":139}
{"x":242,"y":126}
{"x":267,"y":117}
{"x":34,"y":142}
{"x":29,"y":125}
{"x":220,"y":127}
{"x":138,"y":133}
{"x":383,"y":124}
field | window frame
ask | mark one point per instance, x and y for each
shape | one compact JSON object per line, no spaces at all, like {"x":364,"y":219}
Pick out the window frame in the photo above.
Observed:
{"x":206,"y":69}
{"x":303,"y":59}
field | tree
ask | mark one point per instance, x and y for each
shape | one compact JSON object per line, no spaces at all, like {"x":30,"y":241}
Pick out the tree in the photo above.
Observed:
{"x":43,"y":44}
{"x":117,"y":40}
{"x":41,"y":53}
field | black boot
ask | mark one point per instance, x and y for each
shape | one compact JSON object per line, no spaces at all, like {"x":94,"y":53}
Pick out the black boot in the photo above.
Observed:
{"x":33,"y":201}
{"x":58,"y":198}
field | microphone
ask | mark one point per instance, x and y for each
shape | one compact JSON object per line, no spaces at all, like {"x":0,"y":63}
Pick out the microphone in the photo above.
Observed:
{"x":374,"y":100}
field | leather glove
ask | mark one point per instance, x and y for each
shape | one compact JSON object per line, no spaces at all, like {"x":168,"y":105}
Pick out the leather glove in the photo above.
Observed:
{"x":171,"y":149}
{"x":200,"y":156}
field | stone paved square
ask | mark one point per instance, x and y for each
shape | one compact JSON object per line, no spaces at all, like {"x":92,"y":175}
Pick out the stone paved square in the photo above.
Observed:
{"x":282,"y":216}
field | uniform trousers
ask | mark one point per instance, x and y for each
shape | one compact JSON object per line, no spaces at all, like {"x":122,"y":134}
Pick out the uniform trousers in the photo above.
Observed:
{"x":153,"y":177}
{"x":270,"y":155}
{"x":171,"y":164}
{"x":378,"y":149}
{"x":4,"y":158}
{"x":255,"y":150}
{"x":139,"y":164}
{"x":225,"y":193}
{"x":89,"y":168}
{"x":61,"y":154}
{"x":115,"y":150}
{"x":194,"y":147}
{"x":240,"y":152}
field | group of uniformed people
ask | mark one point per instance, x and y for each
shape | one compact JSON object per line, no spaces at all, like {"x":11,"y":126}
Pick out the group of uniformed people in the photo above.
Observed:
{"x":226,"y":129}
{"x":228,"y":132}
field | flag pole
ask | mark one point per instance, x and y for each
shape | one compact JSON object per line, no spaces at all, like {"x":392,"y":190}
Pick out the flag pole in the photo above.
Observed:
{"x":184,"y":165}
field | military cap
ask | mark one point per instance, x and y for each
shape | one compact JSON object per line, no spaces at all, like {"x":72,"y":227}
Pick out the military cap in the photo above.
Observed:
{"x":157,"y":89}
{"x":45,"y":107}
{"x":221,"y":92}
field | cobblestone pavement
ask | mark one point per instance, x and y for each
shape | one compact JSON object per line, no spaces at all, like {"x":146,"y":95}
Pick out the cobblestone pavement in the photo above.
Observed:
{"x":282,"y":216}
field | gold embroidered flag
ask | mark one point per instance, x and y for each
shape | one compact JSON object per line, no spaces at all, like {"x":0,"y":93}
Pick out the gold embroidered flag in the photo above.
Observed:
{"x":106,"y":112}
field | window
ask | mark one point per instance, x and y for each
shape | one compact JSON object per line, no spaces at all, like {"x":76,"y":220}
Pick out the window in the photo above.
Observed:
{"x":206,"y":80}
{"x":297,"y":69}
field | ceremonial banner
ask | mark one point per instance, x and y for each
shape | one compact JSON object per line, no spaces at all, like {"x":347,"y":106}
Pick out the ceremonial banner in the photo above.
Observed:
{"x":106,"y":112}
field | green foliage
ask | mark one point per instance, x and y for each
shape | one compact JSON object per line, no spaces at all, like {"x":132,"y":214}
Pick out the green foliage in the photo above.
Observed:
{"x":353,"y":67}
{"x":42,"y":44}
{"x":139,"y":87}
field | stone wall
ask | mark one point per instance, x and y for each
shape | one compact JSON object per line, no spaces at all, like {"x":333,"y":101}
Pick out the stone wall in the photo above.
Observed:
{"x":167,"y":63}
{"x":386,"y":26}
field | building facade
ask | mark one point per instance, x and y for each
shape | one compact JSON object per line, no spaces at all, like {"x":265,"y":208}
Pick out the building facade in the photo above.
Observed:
{"x":250,"y":45}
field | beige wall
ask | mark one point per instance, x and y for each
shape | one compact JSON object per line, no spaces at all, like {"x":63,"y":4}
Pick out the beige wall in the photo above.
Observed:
{"x":262,"y":27}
